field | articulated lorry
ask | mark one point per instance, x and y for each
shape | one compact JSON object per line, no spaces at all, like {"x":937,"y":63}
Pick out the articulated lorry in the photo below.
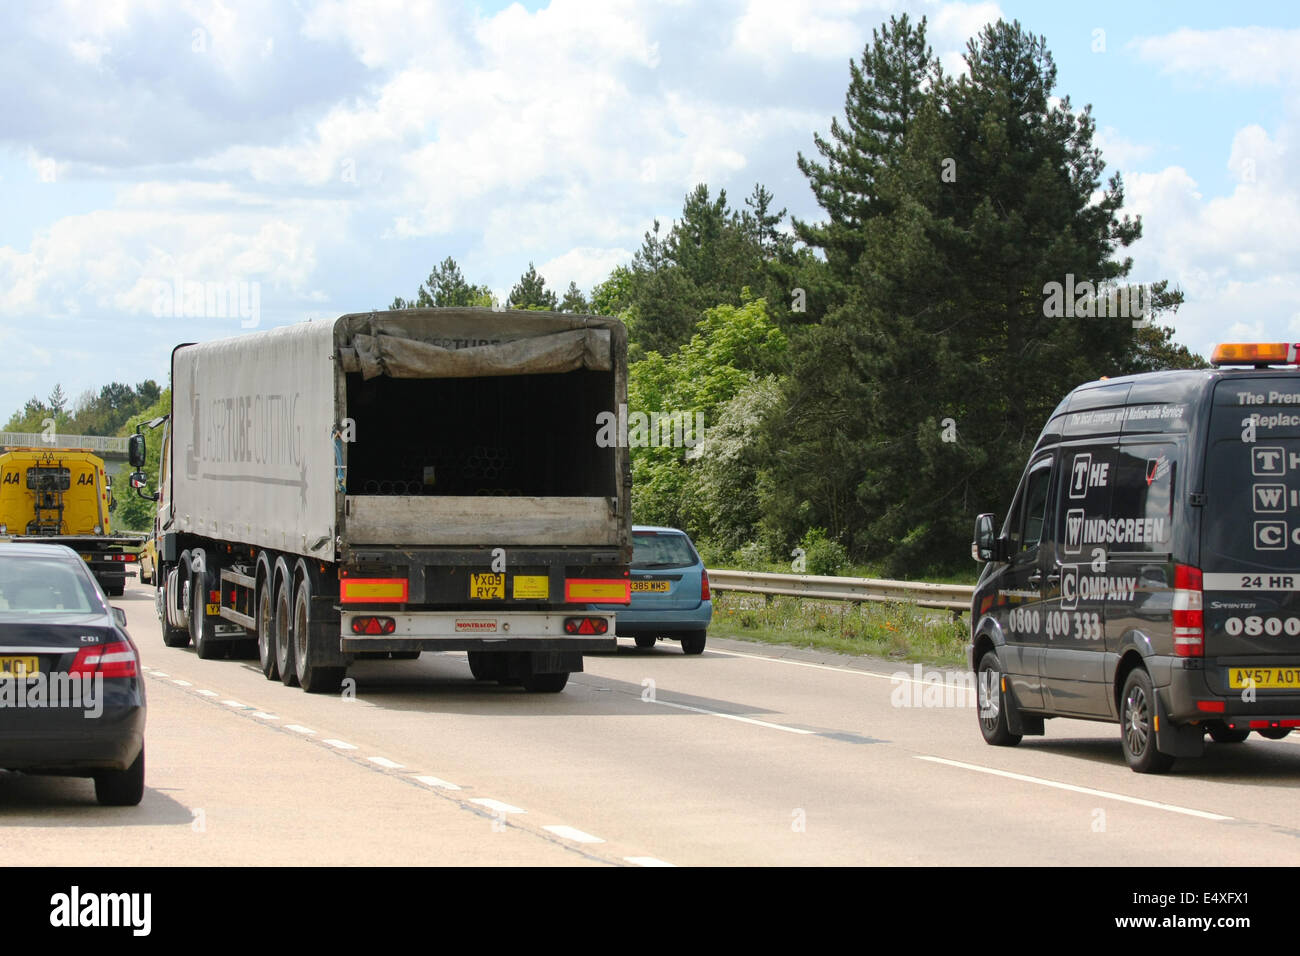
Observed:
{"x":395,"y":482}
{"x":64,"y":496}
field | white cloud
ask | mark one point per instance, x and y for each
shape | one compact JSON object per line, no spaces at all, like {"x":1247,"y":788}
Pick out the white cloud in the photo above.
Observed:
{"x":1247,"y":56}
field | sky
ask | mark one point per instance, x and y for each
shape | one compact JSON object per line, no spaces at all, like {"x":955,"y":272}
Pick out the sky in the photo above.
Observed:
{"x":318,"y":157}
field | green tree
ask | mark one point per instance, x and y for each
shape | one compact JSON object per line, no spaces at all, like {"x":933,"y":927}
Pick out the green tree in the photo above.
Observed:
{"x":530,"y":292}
{"x":446,"y":286}
{"x":575,"y":301}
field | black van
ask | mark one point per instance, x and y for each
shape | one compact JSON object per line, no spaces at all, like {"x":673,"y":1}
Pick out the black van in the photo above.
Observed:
{"x":1148,"y":569}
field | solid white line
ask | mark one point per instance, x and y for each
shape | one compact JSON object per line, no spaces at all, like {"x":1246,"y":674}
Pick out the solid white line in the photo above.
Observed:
{"x":299,"y":729}
{"x":824,"y":667}
{"x":744,"y":720}
{"x":385,"y":762}
{"x":435,"y":782}
{"x":496,"y":805}
{"x":1105,"y":794}
{"x":570,"y":833}
{"x":646,"y":861}
{"x":340,"y":744}
{"x":181,"y":683}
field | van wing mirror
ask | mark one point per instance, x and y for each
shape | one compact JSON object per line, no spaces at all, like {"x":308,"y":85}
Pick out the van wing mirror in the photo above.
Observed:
{"x":135,"y":450}
{"x":987,"y":546}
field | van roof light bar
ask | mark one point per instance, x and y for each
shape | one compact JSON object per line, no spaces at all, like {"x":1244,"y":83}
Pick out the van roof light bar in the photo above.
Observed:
{"x":1258,"y":354}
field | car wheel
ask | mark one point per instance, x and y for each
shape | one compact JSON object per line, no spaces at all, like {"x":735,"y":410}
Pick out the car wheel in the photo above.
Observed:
{"x":121,"y":788}
{"x":284,"y":661}
{"x":693,"y":642}
{"x":312,"y":677}
{"x":546,"y":683}
{"x":1273,"y":733}
{"x":266,"y":631}
{"x":202,"y":627}
{"x":644,"y":641}
{"x":1223,"y":734}
{"x":992,"y":705}
{"x":1137,"y":724}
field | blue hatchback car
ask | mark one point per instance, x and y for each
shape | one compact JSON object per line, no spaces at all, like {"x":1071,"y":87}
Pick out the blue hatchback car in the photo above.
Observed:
{"x":670,"y":591}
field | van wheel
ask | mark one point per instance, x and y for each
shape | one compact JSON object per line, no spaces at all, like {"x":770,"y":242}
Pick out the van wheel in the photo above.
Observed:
{"x":1137,"y":725}
{"x":1223,"y":734}
{"x":1273,"y":733}
{"x":992,"y":706}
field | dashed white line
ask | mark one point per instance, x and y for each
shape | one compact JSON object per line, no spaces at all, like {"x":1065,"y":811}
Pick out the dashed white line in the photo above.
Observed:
{"x":1105,"y":794}
{"x":385,"y":762}
{"x":235,"y":703}
{"x":645,"y":861}
{"x":265,"y":716}
{"x":744,"y":720}
{"x":209,"y":693}
{"x":340,"y":744}
{"x":572,"y":833}
{"x":181,"y":683}
{"x":155,"y":673}
{"x":434,"y":782}
{"x":299,"y":729}
{"x":496,"y":805}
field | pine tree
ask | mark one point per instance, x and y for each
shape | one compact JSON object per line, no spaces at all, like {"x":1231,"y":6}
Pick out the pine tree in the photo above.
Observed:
{"x":575,"y":301}
{"x":530,"y":292}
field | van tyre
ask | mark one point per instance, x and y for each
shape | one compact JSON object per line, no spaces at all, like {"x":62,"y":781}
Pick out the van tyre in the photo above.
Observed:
{"x":121,"y":788}
{"x":1274,"y":733}
{"x":693,"y":642}
{"x":284,"y":659}
{"x":1137,"y":711}
{"x":1223,"y":734}
{"x":992,"y":704}
{"x":312,"y":677}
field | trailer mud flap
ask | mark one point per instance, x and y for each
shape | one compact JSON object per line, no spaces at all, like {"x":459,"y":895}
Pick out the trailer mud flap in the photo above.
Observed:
{"x":323,"y":633}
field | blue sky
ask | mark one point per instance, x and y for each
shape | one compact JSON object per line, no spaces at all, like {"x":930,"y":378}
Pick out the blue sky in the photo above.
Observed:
{"x":331,"y":151}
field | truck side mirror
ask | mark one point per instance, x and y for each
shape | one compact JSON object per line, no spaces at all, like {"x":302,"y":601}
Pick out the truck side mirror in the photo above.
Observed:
{"x":985,"y":547}
{"x":139,"y":482}
{"x":135,"y":450}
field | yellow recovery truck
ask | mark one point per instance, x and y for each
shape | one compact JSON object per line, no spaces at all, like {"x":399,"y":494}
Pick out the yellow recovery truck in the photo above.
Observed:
{"x":64,"y":496}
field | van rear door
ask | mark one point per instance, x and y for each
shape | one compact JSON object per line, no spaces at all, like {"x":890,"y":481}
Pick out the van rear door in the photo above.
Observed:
{"x":1250,"y":531}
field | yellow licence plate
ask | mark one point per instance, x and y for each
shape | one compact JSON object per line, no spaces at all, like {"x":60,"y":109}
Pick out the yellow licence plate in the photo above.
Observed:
{"x":19,"y":666}
{"x":487,"y":587}
{"x":1266,"y":677}
{"x":660,"y":586}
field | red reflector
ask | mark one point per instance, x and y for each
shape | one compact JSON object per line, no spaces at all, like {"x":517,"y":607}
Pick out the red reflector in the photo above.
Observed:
{"x":373,"y":625}
{"x":111,"y":660}
{"x":1258,"y":724}
{"x":586,"y":625}
{"x":214,"y":597}
{"x":1188,"y":616}
{"x":1211,"y":706}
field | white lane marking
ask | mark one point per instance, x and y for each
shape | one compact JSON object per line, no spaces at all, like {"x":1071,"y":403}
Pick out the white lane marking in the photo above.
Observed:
{"x":825,"y":667}
{"x":299,"y":729}
{"x":385,"y":762}
{"x":340,"y":744}
{"x":181,"y":683}
{"x":646,"y":861}
{"x":434,"y":782}
{"x":745,"y":720}
{"x":1105,"y":794}
{"x":496,"y":805}
{"x":572,"y":833}
{"x":209,"y":693}
{"x":155,"y":673}
{"x":265,"y":716}
{"x":235,"y":703}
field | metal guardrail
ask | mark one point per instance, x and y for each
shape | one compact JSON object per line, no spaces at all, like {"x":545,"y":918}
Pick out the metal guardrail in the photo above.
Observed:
{"x":949,"y":597}
{"x":114,"y":445}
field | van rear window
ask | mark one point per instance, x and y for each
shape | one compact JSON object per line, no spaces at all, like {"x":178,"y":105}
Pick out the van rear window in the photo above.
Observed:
{"x":1252,"y":475}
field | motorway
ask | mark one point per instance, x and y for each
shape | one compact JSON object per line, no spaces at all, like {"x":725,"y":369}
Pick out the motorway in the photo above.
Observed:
{"x":750,"y":754}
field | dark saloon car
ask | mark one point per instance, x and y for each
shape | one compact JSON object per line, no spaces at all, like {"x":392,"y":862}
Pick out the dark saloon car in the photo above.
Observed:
{"x":72,"y":698}
{"x":670,"y":592}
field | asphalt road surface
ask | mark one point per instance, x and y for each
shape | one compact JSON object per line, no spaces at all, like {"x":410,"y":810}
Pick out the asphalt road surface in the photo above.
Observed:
{"x":750,"y":754}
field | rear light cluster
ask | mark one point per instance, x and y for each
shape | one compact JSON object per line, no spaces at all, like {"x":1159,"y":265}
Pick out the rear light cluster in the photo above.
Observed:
{"x":111,"y":660}
{"x":585,"y":625}
{"x":704,"y":586}
{"x":373,"y":625}
{"x":120,"y":557}
{"x":1189,"y":618}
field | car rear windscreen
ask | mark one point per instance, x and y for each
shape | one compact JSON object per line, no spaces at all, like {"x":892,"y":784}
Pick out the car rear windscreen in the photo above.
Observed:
{"x":661,"y":551}
{"x":31,"y":585}
{"x":1252,"y":475}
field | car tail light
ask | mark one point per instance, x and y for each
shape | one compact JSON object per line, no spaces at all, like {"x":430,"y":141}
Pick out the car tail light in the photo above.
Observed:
{"x":704,"y":586}
{"x":373,"y":625}
{"x":116,"y":659}
{"x":1189,"y":618}
{"x":586,"y":625}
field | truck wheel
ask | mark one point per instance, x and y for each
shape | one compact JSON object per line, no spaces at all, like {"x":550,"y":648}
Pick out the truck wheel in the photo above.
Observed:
{"x":284,"y":661}
{"x":121,"y":788}
{"x":266,"y":631}
{"x":1223,"y":734}
{"x":313,"y":678}
{"x":115,"y":590}
{"x":645,"y":641}
{"x":172,"y":636}
{"x":1137,"y":724}
{"x":546,"y":683}
{"x":486,"y":665}
{"x":992,"y":705}
{"x":693,"y":642}
{"x":202,"y":627}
